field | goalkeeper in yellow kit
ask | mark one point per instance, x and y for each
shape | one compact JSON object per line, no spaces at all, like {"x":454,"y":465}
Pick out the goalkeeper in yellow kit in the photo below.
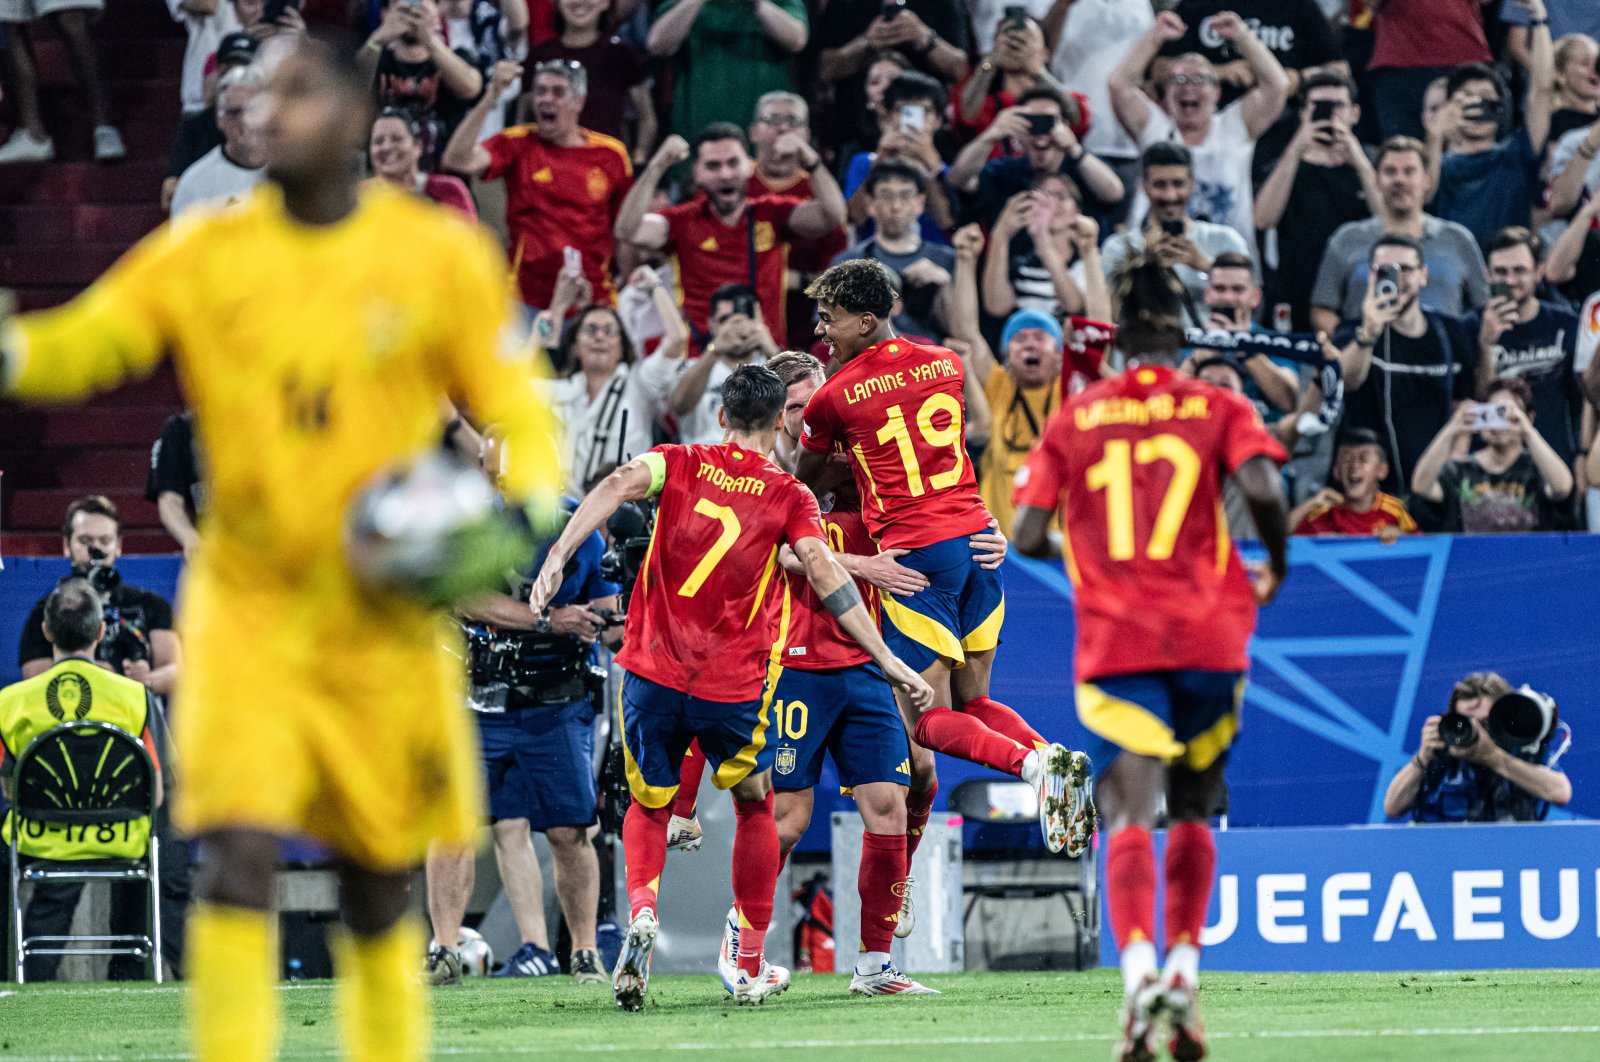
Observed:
{"x":314,"y":328}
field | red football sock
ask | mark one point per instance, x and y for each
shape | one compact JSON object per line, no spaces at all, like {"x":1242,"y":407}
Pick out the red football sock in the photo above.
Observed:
{"x":694,"y":766}
{"x":1003,"y":719}
{"x":755,"y":876}
{"x":883,"y":867}
{"x":644,"y":847}
{"x":918,"y":807}
{"x":1191,"y":868}
{"x":1131,"y":885}
{"x":965,"y":738}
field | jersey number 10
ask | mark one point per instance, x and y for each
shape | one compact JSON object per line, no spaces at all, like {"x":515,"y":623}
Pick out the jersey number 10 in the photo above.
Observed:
{"x":897,"y":430}
{"x":1113,"y":473}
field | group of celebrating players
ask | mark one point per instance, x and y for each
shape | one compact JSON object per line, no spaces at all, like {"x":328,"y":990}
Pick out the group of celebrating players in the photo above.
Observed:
{"x":311,"y":365}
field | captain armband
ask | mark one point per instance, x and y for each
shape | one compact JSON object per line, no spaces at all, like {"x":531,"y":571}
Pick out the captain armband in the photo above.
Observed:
{"x":843,"y":599}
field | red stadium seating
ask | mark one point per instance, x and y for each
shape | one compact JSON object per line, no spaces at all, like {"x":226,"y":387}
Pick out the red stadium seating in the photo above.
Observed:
{"x":61,"y":225}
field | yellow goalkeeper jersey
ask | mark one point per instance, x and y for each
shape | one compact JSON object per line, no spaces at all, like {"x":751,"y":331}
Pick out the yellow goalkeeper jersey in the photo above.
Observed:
{"x":312,"y":356}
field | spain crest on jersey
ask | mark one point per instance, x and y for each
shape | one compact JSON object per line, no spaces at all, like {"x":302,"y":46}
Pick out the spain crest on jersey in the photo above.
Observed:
{"x":785,"y":760}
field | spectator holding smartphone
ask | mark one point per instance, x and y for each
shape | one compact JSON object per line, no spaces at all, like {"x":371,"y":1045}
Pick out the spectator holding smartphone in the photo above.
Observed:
{"x":1035,"y":258}
{"x":1523,"y":336}
{"x":1223,"y":141}
{"x":1184,"y":244}
{"x":910,"y":115}
{"x":1404,"y":368}
{"x":1322,"y":180}
{"x":1516,"y":482}
{"x":1485,"y":173}
{"x":1018,"y":62}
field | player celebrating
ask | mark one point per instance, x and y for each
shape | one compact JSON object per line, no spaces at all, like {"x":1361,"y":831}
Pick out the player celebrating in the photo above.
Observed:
{"x":701,"y":651}
{"x":895,"y":409}
{"x":311,"y":704}
{"x":831,"y":698}
{"x":1165,"y":610}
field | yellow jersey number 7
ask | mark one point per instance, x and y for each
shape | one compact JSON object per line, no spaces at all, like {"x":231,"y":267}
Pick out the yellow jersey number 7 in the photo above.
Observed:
{"x":719,"y":549}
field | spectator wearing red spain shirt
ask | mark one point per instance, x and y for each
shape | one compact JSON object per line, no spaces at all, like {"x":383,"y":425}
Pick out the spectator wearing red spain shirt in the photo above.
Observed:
{"x":778,"y":172}
{"x":722,"y":236}
{"x":564,"y":183}
{"x":1352,"y":504}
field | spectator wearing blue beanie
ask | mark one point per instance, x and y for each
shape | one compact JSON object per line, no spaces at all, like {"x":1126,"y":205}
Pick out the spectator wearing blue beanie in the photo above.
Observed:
{"x":1023,"y":391}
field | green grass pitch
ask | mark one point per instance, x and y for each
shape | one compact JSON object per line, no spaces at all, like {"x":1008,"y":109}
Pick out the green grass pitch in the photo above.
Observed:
{"x":1452,"y":1017}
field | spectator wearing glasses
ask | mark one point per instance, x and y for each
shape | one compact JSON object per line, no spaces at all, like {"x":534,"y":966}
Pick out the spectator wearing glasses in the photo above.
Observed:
{"x":725,"y":55}
{"x":1404,"y":367}
{"x":228,"y":172}
{"x":1533,"y":340}
{"x":1514,"y":482}
{"x":604,"y":401}
{"x":1485,"y":174}
{"x":394,"y":151}
{"x":617,"y":79}
{"x":564,"y":183}
{"x":1222,"y":141}
{"x":777,"y":171}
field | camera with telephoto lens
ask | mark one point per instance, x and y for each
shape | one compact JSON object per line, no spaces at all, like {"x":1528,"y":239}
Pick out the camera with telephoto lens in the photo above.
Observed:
{"x":530,"y":669}
{"x":1519,"y":722}
{"x":123,"y":641}
{"x":630,"y":528}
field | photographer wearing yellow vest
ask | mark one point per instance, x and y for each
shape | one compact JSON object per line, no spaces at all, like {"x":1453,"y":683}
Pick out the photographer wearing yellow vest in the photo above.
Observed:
{"x":74,"y":688}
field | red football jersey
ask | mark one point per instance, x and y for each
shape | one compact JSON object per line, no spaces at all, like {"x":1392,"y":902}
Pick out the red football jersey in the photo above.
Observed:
{"x":559,"y":197}
{"x":709,"y":612}
{"x":896,"y":410}
{"x":710,"y":254}
{"x":1135,"y":464}
{"x":807,"y":254}
{"x":1386,"y":511}
{"x":816,"y":641}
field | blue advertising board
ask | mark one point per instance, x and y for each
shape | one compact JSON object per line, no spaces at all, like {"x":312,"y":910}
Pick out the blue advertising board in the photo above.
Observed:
{"x":1403,"y":898}
{"x":1361,"y":646}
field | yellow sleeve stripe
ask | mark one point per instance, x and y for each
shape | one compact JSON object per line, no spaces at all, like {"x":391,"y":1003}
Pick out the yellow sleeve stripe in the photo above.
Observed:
{"x":657,"y":464}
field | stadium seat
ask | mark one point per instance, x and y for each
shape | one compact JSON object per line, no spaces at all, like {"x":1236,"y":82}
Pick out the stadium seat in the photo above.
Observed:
{"x":66,"y":777}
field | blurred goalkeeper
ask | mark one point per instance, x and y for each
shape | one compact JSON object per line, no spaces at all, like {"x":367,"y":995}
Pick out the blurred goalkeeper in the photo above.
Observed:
{"x":313,"y":704}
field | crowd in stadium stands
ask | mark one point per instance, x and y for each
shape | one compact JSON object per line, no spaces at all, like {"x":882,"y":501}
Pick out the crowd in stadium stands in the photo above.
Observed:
{"x":1416,"y":182}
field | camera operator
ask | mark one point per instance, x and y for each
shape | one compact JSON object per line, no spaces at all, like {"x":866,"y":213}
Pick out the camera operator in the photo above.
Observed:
{"x":1464,"y":773}
{"x":535,"y":693}
{"x":139,"y":641}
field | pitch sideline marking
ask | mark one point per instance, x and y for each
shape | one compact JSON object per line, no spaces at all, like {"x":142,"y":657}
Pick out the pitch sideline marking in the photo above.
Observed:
{"x":530,"y":1049}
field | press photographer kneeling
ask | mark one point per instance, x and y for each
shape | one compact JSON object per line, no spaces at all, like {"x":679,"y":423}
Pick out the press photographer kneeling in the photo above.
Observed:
{"x":1491,"y":757}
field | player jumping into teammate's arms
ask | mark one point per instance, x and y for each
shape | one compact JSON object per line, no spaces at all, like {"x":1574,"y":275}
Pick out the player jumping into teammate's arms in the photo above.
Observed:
{"x":1165,"y":611}
{"x":702,"y":648}
{"x":311,"y":704}
{"x":894,"y":408}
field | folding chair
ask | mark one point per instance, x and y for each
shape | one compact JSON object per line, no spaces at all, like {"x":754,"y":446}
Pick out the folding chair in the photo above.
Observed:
{"x":86,"y":777}
{"x":1008,"y":803}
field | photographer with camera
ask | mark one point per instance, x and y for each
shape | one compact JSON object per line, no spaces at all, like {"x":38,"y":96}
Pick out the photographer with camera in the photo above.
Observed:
{"x":139,"y":641}
{"x":536,"y":687}
{"x":1491,"y":757}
